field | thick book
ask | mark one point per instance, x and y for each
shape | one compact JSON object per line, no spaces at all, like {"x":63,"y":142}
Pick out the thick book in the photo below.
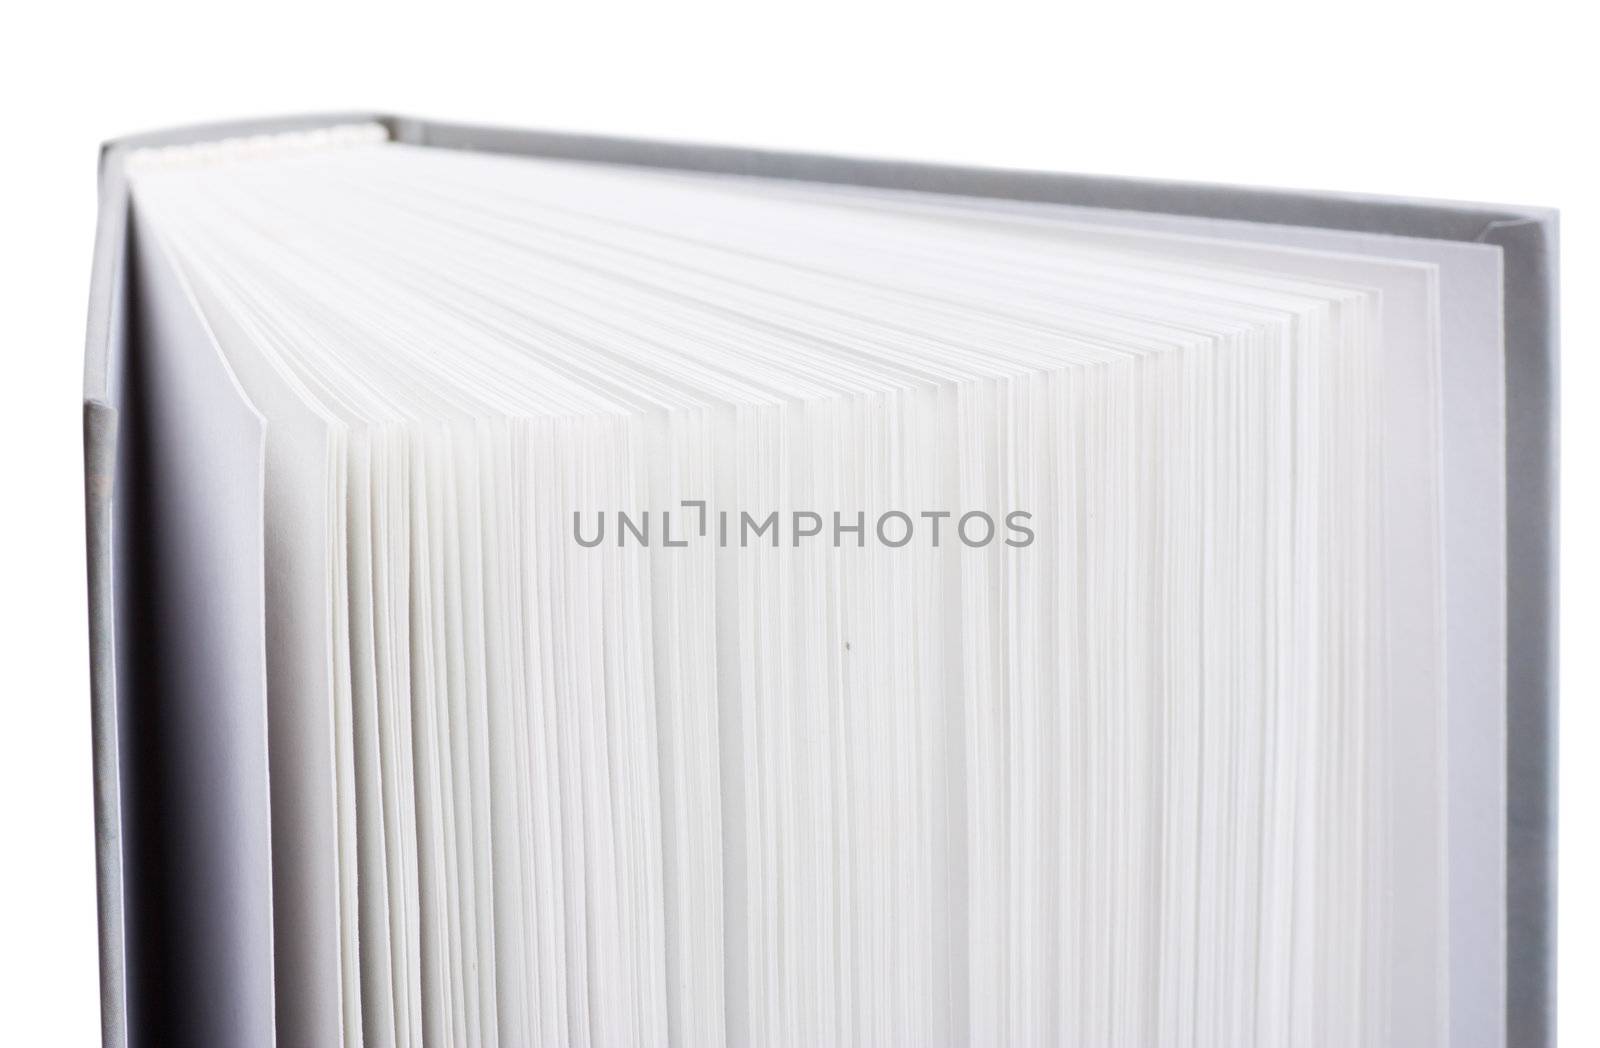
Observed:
{"x":559,"y":590}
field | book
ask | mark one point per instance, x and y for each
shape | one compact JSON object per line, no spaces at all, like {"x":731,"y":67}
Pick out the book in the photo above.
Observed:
{"x":563,"y":591}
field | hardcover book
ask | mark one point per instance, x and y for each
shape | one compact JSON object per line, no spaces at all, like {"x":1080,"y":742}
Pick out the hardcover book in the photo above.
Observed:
{"x":554,"y":590}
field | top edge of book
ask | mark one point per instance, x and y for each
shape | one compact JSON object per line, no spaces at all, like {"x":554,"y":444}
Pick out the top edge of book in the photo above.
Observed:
{"x":1044,"y":186}
{"x":1377,"y":215}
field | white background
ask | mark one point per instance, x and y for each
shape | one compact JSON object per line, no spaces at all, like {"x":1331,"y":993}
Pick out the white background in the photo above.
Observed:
{"x":1460,"y":100}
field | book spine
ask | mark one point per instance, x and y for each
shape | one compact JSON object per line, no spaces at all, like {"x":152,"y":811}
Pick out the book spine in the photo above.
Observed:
{"x":100,"y":456}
